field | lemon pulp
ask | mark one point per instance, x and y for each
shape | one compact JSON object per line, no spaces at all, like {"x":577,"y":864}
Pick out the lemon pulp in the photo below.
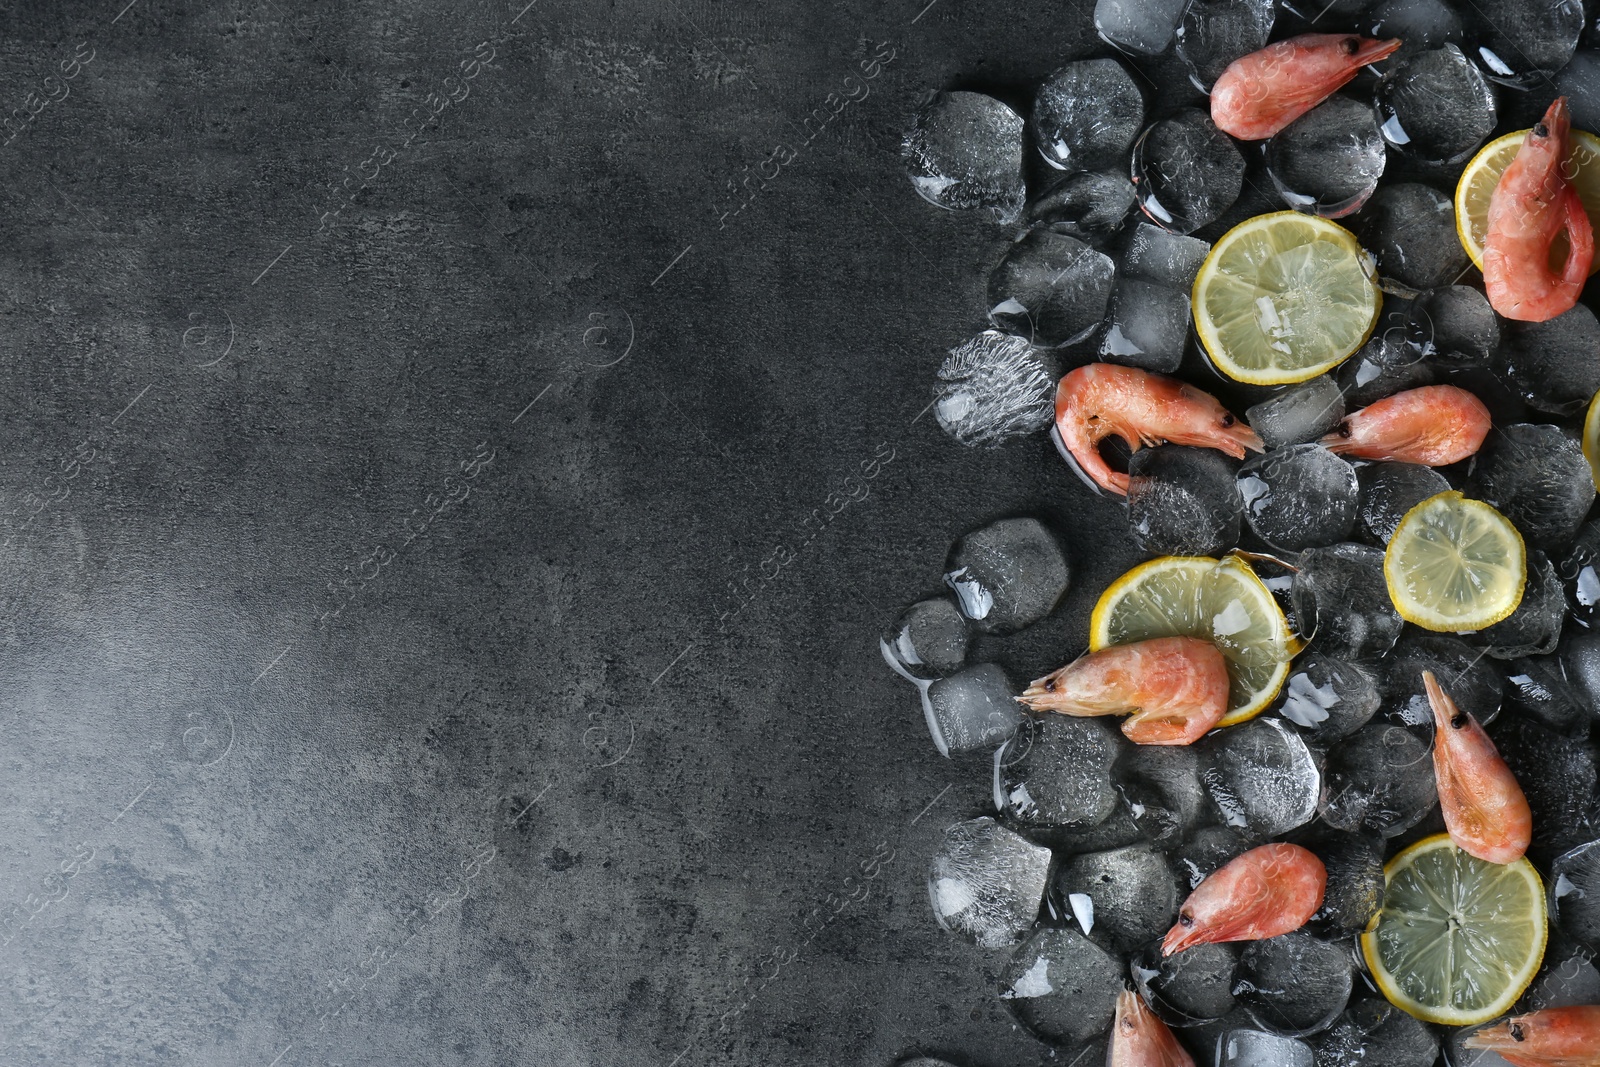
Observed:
{"x":1455,"y":564}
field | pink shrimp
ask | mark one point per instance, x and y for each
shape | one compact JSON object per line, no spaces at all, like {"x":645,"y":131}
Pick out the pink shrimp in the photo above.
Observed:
{"x":1554,"y":1037}
{"x":1268,"y":891}
{"x":1106,"y":400}
{"x":1261,"y":93}
{"x":1484,"y":808}
{"x":1139,"y":1039}
{"x":1533,"y":203}
{"x":1434,"y":425}
{"x":1175,"y":687}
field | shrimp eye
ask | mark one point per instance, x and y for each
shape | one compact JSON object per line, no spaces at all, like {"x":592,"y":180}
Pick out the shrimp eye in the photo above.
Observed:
{"x":1344,"y":428}
{"x":1352,"y":45}
{"x":1186,"y":919}
{"x":1516,"y":1033}
{"x":1541,"y":130}
{"x":1459,"y":721}
{"x":1050,"y":686}
{"x":1227,"y":420}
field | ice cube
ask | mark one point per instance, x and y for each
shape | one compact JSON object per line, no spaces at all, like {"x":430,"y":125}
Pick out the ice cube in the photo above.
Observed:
{"x":1148,"y":326}
{"x":1187,"y":172}
{"x":1579,"y":570}
{"x":1062,"y":986}
{"x":1383,"y":367}
{"x":1355,"y":882}
{"x":1567,"y":978}
{"x":1379,"y":780}
{"x":1579,"y":82}
{"x":1418,"y":24}
{"x":1214,"y":33}
{"x":1170,"y":259}
{"x":928,"y":640}
{"x":1521,"y":42}
{"x":1057,"y":772}
{"x":1161,"y":788}
{"x":1133,"y":893}
{"x":970,"y":710}
{"x":1207,"y":850}
{"x":1575,"y":894}
{"x":1294,"y":984}
{"x":1558,"y":776}
{"x":1551,"y":364}
{"x":1473,"y":682}
{"x":993,"y":387}
{"x":1050,"y":288}
{"x":986,"y":883}
{"x":1328,"y":161}
{"x":1299,"y":413}
{"x":1008,"y":575}
{"x":1299,"y":497}
{"x":1454,"y":326}
{"x":1579,"y":653}
{"x":1145,"y":26}
{"x":1183,"y":501}
{"x":1375,"y":1032}
{"x":1341,"y":601}
{"x":963,"y":151}
{"x":1328,"y":698}
{"x":1537,"y":688}
{"x":1086,"y":115}
{"x":1411,"y":230}
{"x":1189,"y":986}
{"x":1089,"y":205}
{"x":1388,"y":491}
{"x":1534,"y":628}
{"x":1536,"y":476}
{"x":1436,"y":106}
{"x":1262,"y":777}
{"x":1256,"y":1048}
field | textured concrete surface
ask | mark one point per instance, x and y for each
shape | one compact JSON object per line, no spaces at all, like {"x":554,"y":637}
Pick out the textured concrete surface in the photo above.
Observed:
{"x":440,"y":618}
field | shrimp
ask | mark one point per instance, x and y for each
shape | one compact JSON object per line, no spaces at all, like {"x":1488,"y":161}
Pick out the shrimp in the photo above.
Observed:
{"x":1261,"y":93}
{"x":1139,"y":1039}
{"x":1268,"y":891}
{"x":1533,"y":203}
{"x":1483,"y":806}
{"x":1103,"y":400}
{"x":1434,"y":425}
{"x":1554,"y":1037}
{"x":1176,"y":688}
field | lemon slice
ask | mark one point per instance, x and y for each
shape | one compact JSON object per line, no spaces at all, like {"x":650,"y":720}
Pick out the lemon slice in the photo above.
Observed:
{"x":1284,"y":297}
{"x":1455,"y":564}
{"x":1458,"y":938}
{"x":1196,"y":596}
{"x":1591,"y":440}
{"x":1483,"y":174}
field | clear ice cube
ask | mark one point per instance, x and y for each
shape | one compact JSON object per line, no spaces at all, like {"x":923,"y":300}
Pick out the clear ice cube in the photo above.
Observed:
{"x":1056,"y":771}
{"x":1294,"y":984}
{"x":1537,"y":688}
{"x":1183,"y":501}
{"x":928,"y":640}
{"x":1454,"y":326}
{"x":1148,"y":326}
{"x":1534,"y":628}
{"x":993,"y":387}
{"x":1299,"y":497}
{"x":1579,"y":654}
{"x":1328,"y":161}
{"x":1257,"y":1048}
{"x":1086,"y":115}
{"x":1008,"y":575}
{"x":1186,"y":171}
{"x":1299,"y":413}
{"x":963,"y":151}
{"x":1062,"y":986}
{"x":1410,"y":229}
{"x":1575,"y":894}
{"x":1328,"y":698}
{"x":1522,"y":42}
{"x":1132,"y":893}
{"x":1374,"y":1032}
{"x":986,"y":883}
{"x":1262,"y":777}
{"x":1389,"y":490}
{"x":1050,"y":288}
{"x":1551,"y":364}
{"x":1162,"y":790}
{"x":971,"y":709}
{"x":1214,"y":33}
{"x":1384,"y":366}
{"x":1535,"y":474}
{"x":1144,"y":26}
{"x":1558,"y":776}
{"x":1189,"y":986}
{"x":1378,"y":780}
{"x":1341,"y":601}
{"x":1207,"y":850}
{"x":1474,"y":682}
{"x":1157,"y":255}
{"x":1579,"y":82}
{"x":1355,"y":882}
{"x":1567,"y":977}
{"x":1089,"y":205}
{"x":1436,"y":106}
{"x":1418,"y":24}
{"x":1580,"y":572}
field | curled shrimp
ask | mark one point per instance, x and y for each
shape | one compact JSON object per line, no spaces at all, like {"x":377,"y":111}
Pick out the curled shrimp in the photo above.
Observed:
{"x":1175,"y":687}
{"x":1268,"y":891}
{"x":1107,"y":400}
{"x":1554,"y":1037}
{"x":1139,"y":1039}
{"x":1434,"y":425}
{"x":1261,"y":93}
{"x":1533,"y":203}
{"x":1484,"y":808}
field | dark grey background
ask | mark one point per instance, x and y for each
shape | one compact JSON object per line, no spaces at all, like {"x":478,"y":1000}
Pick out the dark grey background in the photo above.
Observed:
{"x":239,"y":829}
